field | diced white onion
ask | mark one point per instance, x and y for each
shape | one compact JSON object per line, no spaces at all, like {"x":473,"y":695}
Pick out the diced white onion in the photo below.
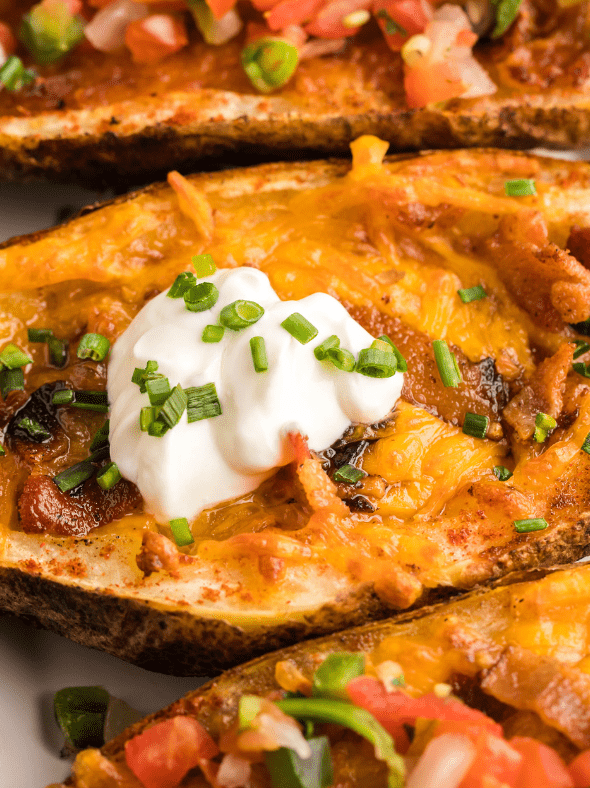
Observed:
{"x":3,"y":56}
{"x":286,"y":734}
{"x":444,"y":762}
{"x":318,"y":47}
{"x":224,"y":29}
{"x":234,"y":772}
{"x":106,"y":32}
{"x":161,"y":26}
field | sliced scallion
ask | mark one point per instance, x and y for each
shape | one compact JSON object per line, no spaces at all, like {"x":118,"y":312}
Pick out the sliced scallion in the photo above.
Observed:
{"x":84,"y":400}
{"x":100,"y":454}
{"x":544,"y":424}
{"x":586,"y":445}
{"x":341,"y":358}
{"x":39,"y":334}
{"x":49,"y":31}
{"x":582,"y":369}
{"x":58,"y":352}
{"x":469,"y":294}
{"x":74,"y":476}
{"x":402,"y":364}
{"x":520,"y":187}
{"x":258,"y":350}
{"x":141,"y":376}
{"x":33,"y":429}
{"x":446,"y":362}
{"x":62,"y":397}
{"x":158,"y":390}
{"x":108,"y":476}
{"x":269,"y":63}
{"x":14,"y":76}
{"x":11,"y":380}
{"x":13,"y":357}
{"x":93,"y":346}
{"x":240,"y":314}
{"x":348,"y":474}
{"x":101,"y":437}
{"x":147,"y":416}
{"x":581,"y":348}
{"x":202,"y":402}
{"x":204,"y":265}
{"x":321,"y":351}
{"x":181,"y":284}
{"x":300,"y":328}
{"x":475,"y":425}
{"x":2,"y":451}
{"x":502,"y":473}
{"x":174,"y":406}
{"x":201,"y":297}
{"x":534,"y":524}
{"x":376,"y":363}
{"x":158,"y":428}
{"x":213,"y":333}
{"x":181,"y":531}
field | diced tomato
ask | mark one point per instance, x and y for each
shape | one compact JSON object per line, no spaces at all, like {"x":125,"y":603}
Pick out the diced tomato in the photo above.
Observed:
{"x":434,"y":83}
{"x":328,"y":23}
{"x":292,"y":12}
{"x":7,"y":40}
{"x":579,"y":770}
{"x":264,"y":5}
{"x":155,"y":37}
{"x":220,"y":7}
{"x":396,"y":709}
{"x":73,"y":6}
{"x":161,"y":755}
{"x":541,"y":765}
{"x":412,"y":16}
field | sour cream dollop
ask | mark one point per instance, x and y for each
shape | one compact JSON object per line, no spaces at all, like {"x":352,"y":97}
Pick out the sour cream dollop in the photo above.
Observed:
{"x":195,"y":466}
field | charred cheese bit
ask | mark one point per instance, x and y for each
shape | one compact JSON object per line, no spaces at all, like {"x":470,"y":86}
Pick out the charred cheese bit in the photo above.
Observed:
{"x":367,"y":156}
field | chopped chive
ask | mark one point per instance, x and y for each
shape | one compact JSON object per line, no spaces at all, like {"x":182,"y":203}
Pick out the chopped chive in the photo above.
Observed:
{"x":376,"y":363}
{"x":502,"y":473}
{"x":39,"y":334}
{"x":586,"y":445}
{"x":14,"y":76}
{"x":520,"y":187}
{"x":13,"y":357}
{"x":147,"y":416}
{"x":58,"y":352}
{"x":201,"y":297}
{"x":158,"y":390}
{"x":157,"y":428}
{"x":141,"y":376}
{"x":2,"y":451}
{"x":349,"y":474}
{"x":240,"y":314}
{"x":74,"y":476}
{"x":174,"y":406}
{"x":475,"y":425}
{"x":101,"y":437}
{"x":204,"y":265}
{"x":300,"y":328}
{"x":543,"y":426}
{"x":181,"y":284}
{"x":446,"y":362}
{"x":469,"y":294}
{"x":202,"y":402}
{"x":269,"y":62}
{"x":33,"y":429}
{"x":108,"y":476}
{"x":581,"y":348}
{"x":11,"y":380}
{"x":84,"y":400}
{"x":341,"y":358}
{"x":582,"y":369}
{"x":62,"y":397}
{"x":402,"y":364}
{"x":534,"y":524}
{"x":93,"y":346}
{"x":258,"y":350}
{"x":100,"y":454}
{"x":381,"y":344}
{"x":321,"y":351}
{"x":213,"y":333}
{"x":181,"y":531}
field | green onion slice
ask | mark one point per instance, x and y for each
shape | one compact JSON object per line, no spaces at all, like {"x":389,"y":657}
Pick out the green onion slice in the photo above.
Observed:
{"x":269,"y":63}
{"x":332,"y":676}
{"x":39,"y":334}
{"x":157,"y":429}
{"x":181,"y":284}
{"x":321,"y":351}
{"x":181,"y":532}
{"x":14,"y":76}
{"x":201,"y":297}
{"x":147,"y":416}
{"x":11,"y":380}
{"x":85,"y":400}
{"x":543,"y":426}
{"x":520,"y":187}
{"x":74,"y":476}
{"x":204,"y":265}
{"x":202,"y":402}
{"x":475,"y":425}
{"x":506,"y":12}
{"x":80,"y":713}
{"x":240,"y":314}
{"x":341,"y":358}
{"x":63,"y":397}
{"x":51,"y":32}
{"x":158,"y":390}
{"x":58,"y":352}
{"x":213,"y":333}
{"x":581,"y":348}
{"x":33,"y":429}
{"x":349,"y":474}
{"x":358,"y":720}
{"x":13,"y":357}
{"x":287,"y":768}
{"x":586,"y":445}
{"x":108,"y":476}
{"x":469,"y":294}
{"x":2,"y":451}
{"x":376,"y":363}
{"x":93,"y":346}
{"x":258,"y":350}
{"x":402,"y":364}
{"x":101,"y":437}
{"x":141,"y":376}
{"x":582,"y":369}
{"x":300,"y":328}
{"x":534,"y":524}
{"x":448,"y":369}
{"x":173,"y":408}
{"x":502,"y":473}
{"x":100,"y":454}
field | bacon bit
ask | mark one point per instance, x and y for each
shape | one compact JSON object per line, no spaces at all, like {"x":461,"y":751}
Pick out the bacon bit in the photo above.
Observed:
{"x":559,"y":694}
{"x":392,"y":584}
{"x":155,"y":37}
{"x":271,"y":568}
{"x":193,"y":204}
{"x":290,"y":678}
{"x":300,"y":447}
{"x":368,"y":153}
{"x":578,"y":243}
{"x":92,"y":769}
{"x":542,"y":394}
{"x":320,"y":490}
{"x":158,"y":553}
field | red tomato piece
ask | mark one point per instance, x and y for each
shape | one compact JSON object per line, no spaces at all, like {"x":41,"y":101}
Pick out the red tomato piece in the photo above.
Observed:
{"x":292,"y":12}
{"x":329,"y":21}
{"x":434,"y":83}
{"x":220,"y":7}
{"x":7,"y":40}
{"x":579,"y":770}
{"x":155,"y":37}
{"x":161,"y":755}
{"x":412,"y":16}
{"x":541,"y":766}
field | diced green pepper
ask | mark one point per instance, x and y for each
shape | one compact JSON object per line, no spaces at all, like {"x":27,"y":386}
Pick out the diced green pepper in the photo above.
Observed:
{"x":288,"y":770}
{"x":332,"y":676}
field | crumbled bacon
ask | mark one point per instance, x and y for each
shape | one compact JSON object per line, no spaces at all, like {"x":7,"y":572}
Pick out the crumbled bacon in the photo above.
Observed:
{"x":578,"y":243}
{"x":158,"y":553}
{"x":542,"y":394}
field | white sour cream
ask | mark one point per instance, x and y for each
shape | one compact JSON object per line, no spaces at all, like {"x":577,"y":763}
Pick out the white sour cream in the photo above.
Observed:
{"x":195,"y":466}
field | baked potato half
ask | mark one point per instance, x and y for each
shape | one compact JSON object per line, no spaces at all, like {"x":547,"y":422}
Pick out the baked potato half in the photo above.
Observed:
{"x":517,"y":651}
{"x":436,"y":509}
{"x":104,"y":117}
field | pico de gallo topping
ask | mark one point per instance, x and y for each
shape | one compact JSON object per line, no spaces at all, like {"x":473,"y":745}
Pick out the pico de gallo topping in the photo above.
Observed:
{"x":422,"y":741}
{"x":434,"y":39}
